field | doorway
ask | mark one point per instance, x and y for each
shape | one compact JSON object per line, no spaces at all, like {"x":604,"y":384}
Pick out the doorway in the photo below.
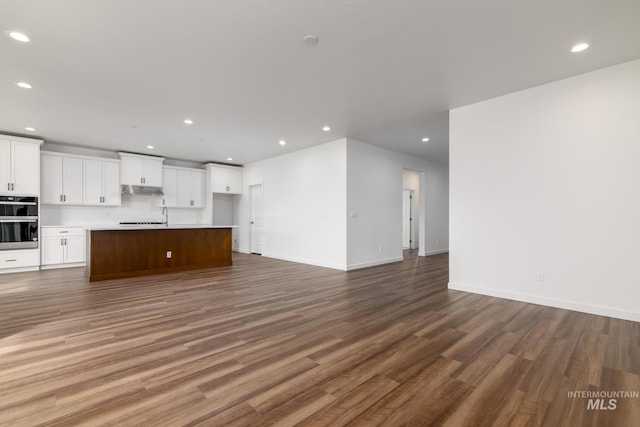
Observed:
{"x":410,"y":209}
{"x":407,"y":219}
{"x":256,"y":219}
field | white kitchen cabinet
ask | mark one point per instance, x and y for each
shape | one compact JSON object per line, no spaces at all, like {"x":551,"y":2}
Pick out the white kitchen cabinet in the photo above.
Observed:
{"x":169,"y":199}
{"x":225,"y":179}
{"x":101,"y":182}
{"x":183,"y":187}
{"x":141,"y":170}
{"x":63,"y":245}
{"x":19,"y":166}
{"x":19,"y":260}
{"x":61,"y":180}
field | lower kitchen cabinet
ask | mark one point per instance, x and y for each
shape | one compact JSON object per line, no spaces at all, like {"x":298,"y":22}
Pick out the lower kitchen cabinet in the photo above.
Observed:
{"x":62,"y":246}
{"x":19,"y":260}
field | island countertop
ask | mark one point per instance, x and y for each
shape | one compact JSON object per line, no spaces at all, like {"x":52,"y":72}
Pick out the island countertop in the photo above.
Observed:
{"x":121,"y":227}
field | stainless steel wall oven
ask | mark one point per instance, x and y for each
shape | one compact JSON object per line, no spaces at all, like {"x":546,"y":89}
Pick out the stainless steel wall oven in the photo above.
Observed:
{"x":18,"y":222}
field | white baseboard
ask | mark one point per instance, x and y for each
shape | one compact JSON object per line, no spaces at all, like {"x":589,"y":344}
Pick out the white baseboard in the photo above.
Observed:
{"x":551,"y":302}
{"x":19,"y":269}
{"x":306,"y":261}
{"x":54,"y":266}
{"x":436,"y":252}
{"x":373,"y":263}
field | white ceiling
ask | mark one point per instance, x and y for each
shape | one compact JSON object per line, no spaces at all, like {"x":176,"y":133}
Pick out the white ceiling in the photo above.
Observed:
{"x":122,"y":74}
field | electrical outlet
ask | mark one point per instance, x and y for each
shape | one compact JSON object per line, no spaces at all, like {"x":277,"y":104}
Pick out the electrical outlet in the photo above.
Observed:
{"x":168,"y":254}
{"x":380,"y":249}
{"x":540,"y":276}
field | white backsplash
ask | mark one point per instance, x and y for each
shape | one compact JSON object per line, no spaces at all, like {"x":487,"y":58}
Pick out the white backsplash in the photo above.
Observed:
{"x":134,"y":208}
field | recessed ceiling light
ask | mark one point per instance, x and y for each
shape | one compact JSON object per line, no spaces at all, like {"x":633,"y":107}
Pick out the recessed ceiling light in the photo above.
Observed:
{"x":17,"y":35}
{"x":150,"y":147}
{"x":326,"y":128}
{"x":580,"y":47}
{"x":282,"y":142}
{"x":24,"y":85}
{"x":229,"y":159}
{"x":425,"y":139}
{"x":30,"y":129}
{"x":310,"y":39}
{"x":188,"y":121}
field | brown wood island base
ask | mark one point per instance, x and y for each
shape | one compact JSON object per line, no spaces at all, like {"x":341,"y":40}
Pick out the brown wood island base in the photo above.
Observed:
{"x":118,"y":253}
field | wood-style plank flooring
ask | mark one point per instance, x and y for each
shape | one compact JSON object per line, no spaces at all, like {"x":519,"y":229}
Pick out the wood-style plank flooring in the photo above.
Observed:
{"x":268,"y":342}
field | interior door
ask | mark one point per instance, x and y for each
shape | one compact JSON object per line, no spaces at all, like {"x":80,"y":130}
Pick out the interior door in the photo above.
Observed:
{"x":407,"y":196}
{"x":256,"y":218}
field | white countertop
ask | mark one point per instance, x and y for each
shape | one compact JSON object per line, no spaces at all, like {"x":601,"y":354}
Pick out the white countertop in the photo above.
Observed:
{"x":154,"y":227}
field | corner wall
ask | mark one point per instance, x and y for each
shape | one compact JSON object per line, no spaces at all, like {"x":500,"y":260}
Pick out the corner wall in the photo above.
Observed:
{"x":374,"y":205}
{"x":545,"y":194}
{"x":304,"y":205}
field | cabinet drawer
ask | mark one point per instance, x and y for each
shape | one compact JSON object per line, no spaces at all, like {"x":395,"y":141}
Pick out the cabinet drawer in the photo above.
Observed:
{"x":17,"y":259}
{"x":61,"y":231}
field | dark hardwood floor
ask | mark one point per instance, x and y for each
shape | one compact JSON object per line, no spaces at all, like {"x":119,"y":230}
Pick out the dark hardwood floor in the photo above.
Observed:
{"x":268,"y":342}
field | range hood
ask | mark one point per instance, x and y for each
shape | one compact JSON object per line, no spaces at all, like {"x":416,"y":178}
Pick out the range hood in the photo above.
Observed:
{"x":141,"y":190}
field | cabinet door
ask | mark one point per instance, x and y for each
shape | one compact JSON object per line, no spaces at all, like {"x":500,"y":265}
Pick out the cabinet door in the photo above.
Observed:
{"x":111,"y":184}
{"x":25,"y":158}
{"x":74,"y":249}
{"x":183,"y":189}
{"x":234,"y":181}
{"x":152,"y":172}
{"x":131,"y":171}
{"x":5,"y":166}
{"x":169,"y":187}
{"x":71,"y":181}
{"x":51,"y":180}
{"x":218,"y":180}
{"x":52,"y":250}
{"x":197,"y":189}
{"x":92,"y":172}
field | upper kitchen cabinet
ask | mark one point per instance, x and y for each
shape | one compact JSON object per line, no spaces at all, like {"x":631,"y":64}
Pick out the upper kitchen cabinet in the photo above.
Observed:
{"x":101,"y":182}
{"x":137,"y":169}
{"x":19,"y":166}
{"x":62,"y":179}
{"x":183,"y":187}
{"x":225,"y":179}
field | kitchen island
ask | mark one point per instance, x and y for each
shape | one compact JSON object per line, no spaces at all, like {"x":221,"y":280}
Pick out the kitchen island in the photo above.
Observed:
{"x":127,"y":251}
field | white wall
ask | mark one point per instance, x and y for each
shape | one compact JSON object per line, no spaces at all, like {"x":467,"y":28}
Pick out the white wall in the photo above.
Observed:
{"x":374,"y":190}
{"x":304,"y":205}
{"x":548,"y":180}
{"x":134,"y":208}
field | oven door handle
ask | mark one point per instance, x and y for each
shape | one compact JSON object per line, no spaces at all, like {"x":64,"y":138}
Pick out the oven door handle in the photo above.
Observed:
{"x":19,"y":203}
{"x":18,"y":219}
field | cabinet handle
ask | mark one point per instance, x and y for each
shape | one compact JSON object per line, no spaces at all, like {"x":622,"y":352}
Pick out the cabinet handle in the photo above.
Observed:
{"x":65,"y":231}
{"x":191,"y":202}
{"x":227,"y":188}
{"x":10,"y":260}
{"x":65,"y":241}
{"x":64,"y":198}
{"x":61,"y":197}
{"x":8,"y":186}
{"x":61,"y":242}
{"x":13,"y":187}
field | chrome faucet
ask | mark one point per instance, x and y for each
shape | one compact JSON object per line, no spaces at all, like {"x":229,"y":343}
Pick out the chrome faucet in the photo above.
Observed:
{"x":165,"y":216}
